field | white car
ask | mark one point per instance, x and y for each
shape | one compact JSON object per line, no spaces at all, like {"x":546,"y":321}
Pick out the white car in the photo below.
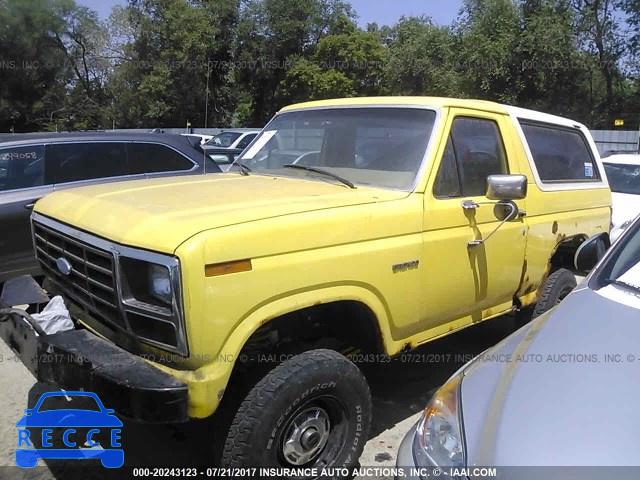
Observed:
{"x":200,"y":137}
{"x":623,"y":171}
{"x":232,"y":139}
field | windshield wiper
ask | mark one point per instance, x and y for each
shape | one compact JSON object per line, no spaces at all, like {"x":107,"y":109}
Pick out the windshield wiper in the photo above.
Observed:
{"x":244,"y":170}
{"x":624,"y":285}
{"x":321,"y":172}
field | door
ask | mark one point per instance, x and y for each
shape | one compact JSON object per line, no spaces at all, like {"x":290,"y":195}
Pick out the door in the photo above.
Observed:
{"x":23,"y":181}
{"x":464,"y":282}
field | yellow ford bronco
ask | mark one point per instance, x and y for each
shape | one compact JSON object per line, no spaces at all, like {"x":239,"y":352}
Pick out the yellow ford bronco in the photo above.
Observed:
{"x":375,"y":224}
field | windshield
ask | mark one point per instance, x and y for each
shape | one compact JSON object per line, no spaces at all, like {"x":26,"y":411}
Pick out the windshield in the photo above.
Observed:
{"x":623,"y":178}
{"x":382,"y":147}
{"x":623,"y":267}
{"x":224,"y":139}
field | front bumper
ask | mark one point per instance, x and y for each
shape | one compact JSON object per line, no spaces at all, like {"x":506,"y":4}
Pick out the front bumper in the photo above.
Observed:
{"x":80,"y":360}
{"x":405,"y":459}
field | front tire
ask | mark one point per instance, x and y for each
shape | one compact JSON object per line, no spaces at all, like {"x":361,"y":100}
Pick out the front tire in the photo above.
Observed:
{"x":558,"y":285}
{"x":312,"y":411}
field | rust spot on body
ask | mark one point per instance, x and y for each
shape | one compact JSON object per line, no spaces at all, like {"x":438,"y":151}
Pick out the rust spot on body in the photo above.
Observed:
{"x":522,"y":276}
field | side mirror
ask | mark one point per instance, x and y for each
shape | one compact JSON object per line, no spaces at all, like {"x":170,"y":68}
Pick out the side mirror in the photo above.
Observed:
{"x":591,"y":251}
{"x":506,"y":187}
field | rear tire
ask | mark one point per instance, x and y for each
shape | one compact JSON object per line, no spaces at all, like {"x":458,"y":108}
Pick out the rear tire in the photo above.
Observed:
{"x":314,"y":410}
{"x":558,"y":285}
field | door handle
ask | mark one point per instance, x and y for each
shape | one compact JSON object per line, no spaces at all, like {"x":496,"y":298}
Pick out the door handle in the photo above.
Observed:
{"x":513,"y":213}
{"x":29,"y":206}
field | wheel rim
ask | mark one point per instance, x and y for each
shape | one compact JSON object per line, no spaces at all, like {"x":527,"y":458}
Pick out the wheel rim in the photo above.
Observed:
{"x":306,"y":436}
{"x":315,"y":433}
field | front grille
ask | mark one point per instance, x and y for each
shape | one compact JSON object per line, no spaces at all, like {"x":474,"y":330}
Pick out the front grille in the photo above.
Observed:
{"x":91,"y":283}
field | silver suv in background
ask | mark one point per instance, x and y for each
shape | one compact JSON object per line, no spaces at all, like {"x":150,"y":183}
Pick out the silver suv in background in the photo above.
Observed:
{"x":31,"y":166}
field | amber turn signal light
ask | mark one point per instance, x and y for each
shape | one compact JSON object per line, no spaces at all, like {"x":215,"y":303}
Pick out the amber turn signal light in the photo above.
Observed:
{"x":216,"y":269}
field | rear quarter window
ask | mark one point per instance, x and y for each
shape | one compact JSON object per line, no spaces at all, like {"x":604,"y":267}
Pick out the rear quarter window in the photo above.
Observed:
{"x":560,"y":155}
{"x":153,"y":157}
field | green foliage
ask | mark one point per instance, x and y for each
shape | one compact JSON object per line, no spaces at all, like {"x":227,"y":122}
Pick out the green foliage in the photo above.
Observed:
{"x":33,"y":74}
{"x":179,"y":50}
{"x":555,"y":74}
{"x":421,"y":59}
{"x":158,"y":63}
{"x":488,"y":38}
{"x":346,"y":62}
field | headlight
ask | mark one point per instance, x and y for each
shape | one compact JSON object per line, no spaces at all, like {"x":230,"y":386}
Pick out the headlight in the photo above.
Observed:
{"x":160,"y":283}
{"x":438,"y":441}
{"x":151,"y":296}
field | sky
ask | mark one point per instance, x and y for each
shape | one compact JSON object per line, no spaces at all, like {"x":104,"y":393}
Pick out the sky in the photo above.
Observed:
{"x":382,"y":12}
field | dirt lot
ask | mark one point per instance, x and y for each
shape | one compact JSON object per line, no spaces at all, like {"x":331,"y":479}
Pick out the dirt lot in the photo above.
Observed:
{"x":400,"y":390}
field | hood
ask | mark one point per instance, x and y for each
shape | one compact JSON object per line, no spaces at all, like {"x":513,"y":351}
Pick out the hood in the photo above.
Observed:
{"x":562,"y":391}
{"x":162,"y":213}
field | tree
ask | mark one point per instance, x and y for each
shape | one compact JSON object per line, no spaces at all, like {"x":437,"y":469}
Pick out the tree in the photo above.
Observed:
{"x":346,"y":62}
{"x":486,"y":50}
{"x":178,"y":51}
{"x":83,"y":40}
{"x":554,"y":72}
{"x":33,"y":74}
{"x":599,"y":31}
{"x":421,"y":59}
{"x":273,"y":39}
{"x":56,"y":74}
{"x":215,"y":63}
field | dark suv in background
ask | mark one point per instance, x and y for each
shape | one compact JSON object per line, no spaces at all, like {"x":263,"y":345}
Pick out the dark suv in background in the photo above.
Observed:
{"x":31,"y":166}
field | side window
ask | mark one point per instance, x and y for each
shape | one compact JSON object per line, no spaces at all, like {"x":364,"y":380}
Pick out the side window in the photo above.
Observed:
{"x":153,"y":157}
{"x":475,"y":147}
{"x":73,"y":162}
{"x":21,"y":167}
{"x":246,"y":140}
{"x":448,"y":181}
{"x":560,"y":154}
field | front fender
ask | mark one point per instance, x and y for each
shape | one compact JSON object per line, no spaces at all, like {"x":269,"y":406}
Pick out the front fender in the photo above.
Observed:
{"x":277,"y":307}
{"x":207,"y":383}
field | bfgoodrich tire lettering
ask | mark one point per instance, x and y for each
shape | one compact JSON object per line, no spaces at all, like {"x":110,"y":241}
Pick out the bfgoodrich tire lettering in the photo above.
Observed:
{"x":313,"y":410}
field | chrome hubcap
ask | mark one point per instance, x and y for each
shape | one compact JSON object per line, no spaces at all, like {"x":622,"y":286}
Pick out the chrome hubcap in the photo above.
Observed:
{"x":306,"y":436}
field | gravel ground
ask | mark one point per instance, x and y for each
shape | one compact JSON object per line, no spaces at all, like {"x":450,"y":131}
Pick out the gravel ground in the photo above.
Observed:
{"x":400,"y":391}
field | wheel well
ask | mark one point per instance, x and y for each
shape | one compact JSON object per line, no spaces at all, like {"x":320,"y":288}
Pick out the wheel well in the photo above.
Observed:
{"x":564,"y":253}
{"x":347,"y":323}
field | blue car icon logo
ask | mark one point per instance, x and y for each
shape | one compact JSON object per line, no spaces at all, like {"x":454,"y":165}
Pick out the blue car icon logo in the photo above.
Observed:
{"x":52,"y":430}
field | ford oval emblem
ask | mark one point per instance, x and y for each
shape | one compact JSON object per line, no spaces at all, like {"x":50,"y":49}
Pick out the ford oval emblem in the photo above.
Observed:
{"x":64,"y":266}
